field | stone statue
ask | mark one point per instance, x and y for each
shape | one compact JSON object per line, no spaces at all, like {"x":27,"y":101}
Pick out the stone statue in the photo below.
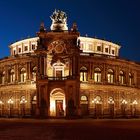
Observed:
{"x":59,"y":21}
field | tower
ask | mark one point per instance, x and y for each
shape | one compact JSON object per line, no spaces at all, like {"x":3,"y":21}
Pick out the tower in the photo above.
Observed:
{"x":58,"y":69}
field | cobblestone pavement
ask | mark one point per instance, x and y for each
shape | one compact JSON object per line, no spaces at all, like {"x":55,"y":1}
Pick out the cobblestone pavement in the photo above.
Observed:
{"x":61,"y":129}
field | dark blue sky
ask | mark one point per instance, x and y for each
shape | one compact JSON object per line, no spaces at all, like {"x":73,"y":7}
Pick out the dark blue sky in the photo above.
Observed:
{"x":117,"y":21}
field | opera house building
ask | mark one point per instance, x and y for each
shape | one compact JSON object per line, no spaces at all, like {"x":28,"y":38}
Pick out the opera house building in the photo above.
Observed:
{"x":62,"y":74}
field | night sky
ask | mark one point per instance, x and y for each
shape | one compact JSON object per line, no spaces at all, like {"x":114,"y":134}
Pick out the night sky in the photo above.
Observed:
{"x":117,"y":21}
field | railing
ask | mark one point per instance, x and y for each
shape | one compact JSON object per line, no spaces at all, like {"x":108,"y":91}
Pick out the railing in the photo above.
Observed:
{"x":61,"y":78}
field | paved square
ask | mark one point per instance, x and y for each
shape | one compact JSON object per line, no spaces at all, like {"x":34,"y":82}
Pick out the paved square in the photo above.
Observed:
{"x":61,"y":129}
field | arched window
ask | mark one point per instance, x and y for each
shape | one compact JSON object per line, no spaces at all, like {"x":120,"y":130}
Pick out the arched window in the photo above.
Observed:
{"x":34,"y":99}
{"x":121,"y":77}
{"x":84,"y":99}
{"x":130,"y":79}
{"x":110,"y":76}
{"x":34,"y":74}
{"x":83,"y":74}
{"x":97,"y":75}
{"x":11,"y":76}
{"x":22,"y":75}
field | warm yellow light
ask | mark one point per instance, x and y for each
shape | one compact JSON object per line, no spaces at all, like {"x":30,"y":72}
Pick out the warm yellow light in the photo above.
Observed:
{"x":135,"y":102}
{"x":10,"y":101}
{"x":1,"y":102}
{"x":23,"y":101}
{"x":124,"y":101}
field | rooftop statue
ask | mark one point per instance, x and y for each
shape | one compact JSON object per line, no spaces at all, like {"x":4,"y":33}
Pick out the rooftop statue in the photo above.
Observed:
{"x":59,"y":17}
{"x":59,"y":21}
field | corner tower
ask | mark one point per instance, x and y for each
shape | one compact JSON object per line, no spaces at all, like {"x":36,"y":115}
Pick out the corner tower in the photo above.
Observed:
{"x":58,"y":69}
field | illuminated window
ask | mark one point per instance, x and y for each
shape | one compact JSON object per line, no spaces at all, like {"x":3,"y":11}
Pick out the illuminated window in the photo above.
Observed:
{"x":83,"y":74}
{"x":58,"y":69}
{"x":82,"y":46}
{"x":97,"y":75}
{"x":84,"y":99}
{"x":12,"y":76}
{"x":121,"y":77}
{"x":90,"y":46}
{"x":22,"y":75}
{"x":34,"y":73}
{"x":130,"y":79}
{"x":110,"y":76}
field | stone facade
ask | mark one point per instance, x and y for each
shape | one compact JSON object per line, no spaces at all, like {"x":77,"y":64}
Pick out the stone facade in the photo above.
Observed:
{"x":61,"y":74}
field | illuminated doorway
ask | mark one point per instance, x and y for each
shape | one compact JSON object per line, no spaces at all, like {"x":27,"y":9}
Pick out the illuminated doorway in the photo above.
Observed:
{"x":57,"y":103}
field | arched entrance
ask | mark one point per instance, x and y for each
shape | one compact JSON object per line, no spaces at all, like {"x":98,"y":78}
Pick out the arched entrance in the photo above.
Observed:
{"x":57,"y":103}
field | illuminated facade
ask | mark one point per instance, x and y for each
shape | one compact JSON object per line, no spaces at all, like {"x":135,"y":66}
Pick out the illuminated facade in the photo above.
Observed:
{"x":59,"y":73}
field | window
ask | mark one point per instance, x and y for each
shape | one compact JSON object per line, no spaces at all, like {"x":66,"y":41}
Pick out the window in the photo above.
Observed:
{"x":19,"y":50}
{"x":98,"y":48}
{"x":83,"y":74}
{"x":90,"y":46}
{"x":106,"y":50}
{"x":22,"y":75}
{"x":58,"y":69}
{"x":82,"y":46}
{"x":113,"y":52}
{"x":33,"y":46}
{"x":130,"y":79}
{"x":121,"y":77}
{"x":3,"y":77}
{"x":25,"y":48}
{"x":84,"y":100}
{"x":34,"y":74}
{"x":110,"y":76}
{"x":97,"y":75}
{"x":11,"y":76}
{"x":14,"y":52}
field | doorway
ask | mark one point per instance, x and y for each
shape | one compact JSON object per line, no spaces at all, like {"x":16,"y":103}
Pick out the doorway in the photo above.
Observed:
{"x":57,"y":103}
{"x":59,"y":108}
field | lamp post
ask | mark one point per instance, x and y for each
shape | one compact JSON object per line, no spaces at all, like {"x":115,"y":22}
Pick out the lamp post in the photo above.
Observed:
{"x":111,"y":107}
{"x":10,"y":102}
{"x":134,"y":105}
{"x":23,"y":102}
{"x":124,"y":103}
{"x":95,"y":101}
{"x":1,"y":103}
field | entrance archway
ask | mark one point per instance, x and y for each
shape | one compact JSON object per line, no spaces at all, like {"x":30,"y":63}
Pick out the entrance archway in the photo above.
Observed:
{"x":57,"y":103}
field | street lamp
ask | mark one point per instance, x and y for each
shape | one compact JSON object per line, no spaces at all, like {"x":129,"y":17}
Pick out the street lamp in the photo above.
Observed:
{"x":134,"y":105}
{"x":10,"y":102}
{"x":1,"y":103}
{"x":23,"y":102}
{"x":96,"y":101}
{"x":111,"y":106}
{"x":124,"y":103}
